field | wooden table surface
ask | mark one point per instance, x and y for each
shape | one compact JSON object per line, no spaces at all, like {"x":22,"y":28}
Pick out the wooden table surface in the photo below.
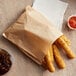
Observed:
{"x":22,"y":65}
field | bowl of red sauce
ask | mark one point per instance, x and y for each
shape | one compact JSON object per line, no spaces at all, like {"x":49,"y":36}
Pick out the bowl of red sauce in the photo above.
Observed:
{"x":72,"y":22}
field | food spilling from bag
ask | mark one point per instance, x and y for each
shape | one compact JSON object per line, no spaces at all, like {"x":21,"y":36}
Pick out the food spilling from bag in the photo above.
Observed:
{"x":37,"y":37}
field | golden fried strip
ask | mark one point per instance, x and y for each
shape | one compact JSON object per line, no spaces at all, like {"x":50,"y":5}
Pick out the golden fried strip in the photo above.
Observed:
{"x":51,"y":57}
{"x":66,"y":39}
{"x":58,"y":57}
{"x":49,"y":63}
{"x":66,"y":48}
{"x":51,"y":53}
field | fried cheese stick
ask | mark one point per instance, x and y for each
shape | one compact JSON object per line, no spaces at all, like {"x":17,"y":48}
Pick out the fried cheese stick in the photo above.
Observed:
{"x":66,"y":39}
{"x":58,"y":58}
{"x":51,"y":53}
{"x":49,"y":62}
{"x":66,"y":48}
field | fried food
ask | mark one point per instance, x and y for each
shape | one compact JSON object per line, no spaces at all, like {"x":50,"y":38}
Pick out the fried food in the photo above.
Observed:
{"x":51,"y":53}
{"x":49,"y":62}
{"x":66,"y":48}
{"x":58,"y":57}
{"x":66,"y":39}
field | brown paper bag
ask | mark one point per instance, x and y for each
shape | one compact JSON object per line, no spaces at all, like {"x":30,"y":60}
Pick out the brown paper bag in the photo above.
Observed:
{"x":33,"y":34}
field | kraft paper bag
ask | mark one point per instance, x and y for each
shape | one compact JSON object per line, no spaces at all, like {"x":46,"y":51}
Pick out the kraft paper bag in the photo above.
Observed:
{"x":33,"y":34}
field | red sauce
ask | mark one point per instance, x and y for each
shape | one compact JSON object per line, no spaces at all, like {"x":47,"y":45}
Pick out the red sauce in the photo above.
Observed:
{"x":72,"y":22}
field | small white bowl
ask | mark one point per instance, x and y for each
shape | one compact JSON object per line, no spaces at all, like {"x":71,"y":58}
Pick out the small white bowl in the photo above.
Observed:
{"x":69,"y":23}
